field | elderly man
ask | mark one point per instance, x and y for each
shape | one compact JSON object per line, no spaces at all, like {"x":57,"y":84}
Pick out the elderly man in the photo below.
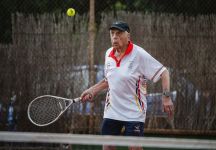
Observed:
{"x":127,"y":66}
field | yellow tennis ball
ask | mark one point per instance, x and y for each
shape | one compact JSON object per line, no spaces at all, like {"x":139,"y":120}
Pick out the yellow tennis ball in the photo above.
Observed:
{"x":71,"y":12}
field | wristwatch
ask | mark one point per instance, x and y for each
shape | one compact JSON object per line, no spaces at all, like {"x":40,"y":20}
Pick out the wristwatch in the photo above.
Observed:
{"x":166,"y":93}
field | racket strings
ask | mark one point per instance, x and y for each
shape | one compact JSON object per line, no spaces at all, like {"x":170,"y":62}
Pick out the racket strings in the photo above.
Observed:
{"x":46,"y":110}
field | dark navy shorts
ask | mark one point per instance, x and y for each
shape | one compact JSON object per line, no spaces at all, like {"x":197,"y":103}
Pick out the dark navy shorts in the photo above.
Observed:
{"x":116,"y":127}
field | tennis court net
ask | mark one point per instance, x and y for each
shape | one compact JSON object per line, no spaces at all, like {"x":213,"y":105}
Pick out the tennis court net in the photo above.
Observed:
{"x":37,"y":141}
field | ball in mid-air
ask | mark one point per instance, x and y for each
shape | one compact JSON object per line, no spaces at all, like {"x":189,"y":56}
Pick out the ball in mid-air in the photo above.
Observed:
{"x":71,"y":12}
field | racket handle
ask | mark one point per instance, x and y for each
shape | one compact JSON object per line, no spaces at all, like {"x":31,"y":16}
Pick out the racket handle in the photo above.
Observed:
{"x":76,"y":99}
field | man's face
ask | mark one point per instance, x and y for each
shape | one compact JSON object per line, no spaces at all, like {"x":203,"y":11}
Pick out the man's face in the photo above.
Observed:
{"x":119,"y":39}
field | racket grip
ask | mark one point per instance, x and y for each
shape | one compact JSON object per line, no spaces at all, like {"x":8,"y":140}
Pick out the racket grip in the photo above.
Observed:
{"x":76,"y":99}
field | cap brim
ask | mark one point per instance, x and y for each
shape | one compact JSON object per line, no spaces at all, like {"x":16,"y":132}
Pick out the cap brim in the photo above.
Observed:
{"x":116,"y":27}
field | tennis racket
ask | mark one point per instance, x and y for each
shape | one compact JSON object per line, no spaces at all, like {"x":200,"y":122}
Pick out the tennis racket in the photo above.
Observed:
{"x":45,"y":110}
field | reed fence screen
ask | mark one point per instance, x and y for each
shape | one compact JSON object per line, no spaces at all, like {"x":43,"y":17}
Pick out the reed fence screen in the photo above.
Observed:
{"x":49,"y":55}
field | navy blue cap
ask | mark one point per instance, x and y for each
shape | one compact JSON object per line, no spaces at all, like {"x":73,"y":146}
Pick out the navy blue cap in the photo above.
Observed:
{"x":120,"y":25}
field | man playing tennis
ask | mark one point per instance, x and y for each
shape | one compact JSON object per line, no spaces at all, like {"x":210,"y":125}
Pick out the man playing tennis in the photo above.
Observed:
{"x":126,"y":67}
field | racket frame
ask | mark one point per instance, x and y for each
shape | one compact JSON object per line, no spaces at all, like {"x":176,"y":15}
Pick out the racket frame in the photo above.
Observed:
{"x":71,"y":101}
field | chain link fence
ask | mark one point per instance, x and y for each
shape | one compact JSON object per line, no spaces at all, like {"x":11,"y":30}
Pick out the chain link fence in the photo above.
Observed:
{"x":43,"y":51}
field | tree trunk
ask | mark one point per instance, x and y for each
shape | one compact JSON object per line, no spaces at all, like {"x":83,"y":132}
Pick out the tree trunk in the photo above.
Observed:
{"x":91,"y":31}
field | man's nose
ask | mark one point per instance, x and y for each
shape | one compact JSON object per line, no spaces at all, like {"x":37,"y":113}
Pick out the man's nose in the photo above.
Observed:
{"x":114,"y":36}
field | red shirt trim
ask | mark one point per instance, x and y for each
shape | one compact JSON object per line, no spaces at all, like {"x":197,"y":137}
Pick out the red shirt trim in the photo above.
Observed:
{"x":127,"y":51}
{"x":156,"y":73}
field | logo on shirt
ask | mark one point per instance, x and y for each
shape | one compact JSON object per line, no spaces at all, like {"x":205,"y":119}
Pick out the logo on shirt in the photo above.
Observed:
{"x":130,"y":66}
{"x":108,"y":65}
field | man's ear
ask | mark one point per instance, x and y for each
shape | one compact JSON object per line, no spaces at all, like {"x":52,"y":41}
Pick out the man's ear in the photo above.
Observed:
{"x":128,"y":36}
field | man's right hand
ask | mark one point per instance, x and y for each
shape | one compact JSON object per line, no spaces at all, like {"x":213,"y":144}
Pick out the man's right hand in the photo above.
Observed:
{"x":87,"y":95}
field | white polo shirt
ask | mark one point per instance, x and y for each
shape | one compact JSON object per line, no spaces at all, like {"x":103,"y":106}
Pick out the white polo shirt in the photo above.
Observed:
{"x":126,"y":99}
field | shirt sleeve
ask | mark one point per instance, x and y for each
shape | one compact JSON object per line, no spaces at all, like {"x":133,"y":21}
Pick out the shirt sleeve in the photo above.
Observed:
{"x":150,"y":67}
{"x":105,"y":63}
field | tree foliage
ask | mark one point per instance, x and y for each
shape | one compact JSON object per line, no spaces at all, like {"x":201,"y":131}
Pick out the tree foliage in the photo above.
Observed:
{"x":187,"y":7}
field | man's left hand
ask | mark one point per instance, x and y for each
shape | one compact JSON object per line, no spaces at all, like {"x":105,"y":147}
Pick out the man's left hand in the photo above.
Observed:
{"x":168,"y":106}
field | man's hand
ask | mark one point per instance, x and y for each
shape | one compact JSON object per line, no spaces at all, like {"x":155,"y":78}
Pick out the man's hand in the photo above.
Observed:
{"x":87,"y":95}
{"x":168,"y":106}
{"x":90,"y":93}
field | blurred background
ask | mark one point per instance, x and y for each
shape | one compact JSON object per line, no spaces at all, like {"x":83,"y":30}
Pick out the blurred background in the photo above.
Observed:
{"x":44,"y":51}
